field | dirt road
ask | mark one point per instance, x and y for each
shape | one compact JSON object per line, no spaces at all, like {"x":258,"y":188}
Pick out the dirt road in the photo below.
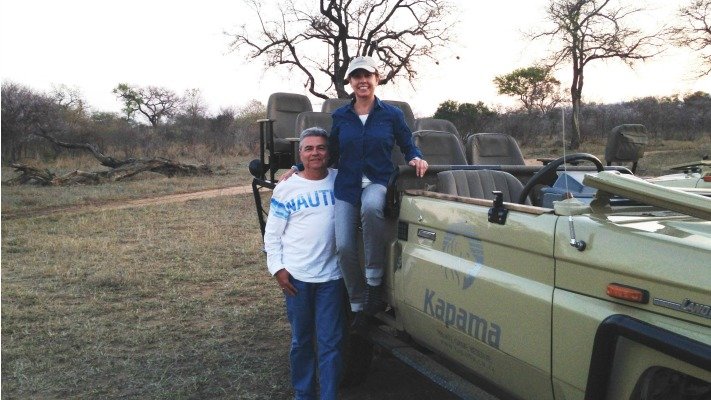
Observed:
{"x":123,"y":204}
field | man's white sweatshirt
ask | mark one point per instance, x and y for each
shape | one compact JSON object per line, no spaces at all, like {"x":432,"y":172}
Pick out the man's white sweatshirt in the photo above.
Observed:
{"x":300,"y":230}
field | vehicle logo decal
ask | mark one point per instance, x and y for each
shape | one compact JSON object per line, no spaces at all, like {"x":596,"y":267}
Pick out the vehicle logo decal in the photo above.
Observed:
{"x":471,"y":276}
{"x":462,"y":319}
{"x":453,"y":244}
{"x":686,"y":306}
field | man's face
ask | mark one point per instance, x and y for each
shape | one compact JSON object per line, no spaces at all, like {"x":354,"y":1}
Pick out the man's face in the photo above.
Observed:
{"x":313,"y":152}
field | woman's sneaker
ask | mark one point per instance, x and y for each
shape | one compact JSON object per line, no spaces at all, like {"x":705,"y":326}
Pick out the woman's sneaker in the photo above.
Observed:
{"x":374,"y":302}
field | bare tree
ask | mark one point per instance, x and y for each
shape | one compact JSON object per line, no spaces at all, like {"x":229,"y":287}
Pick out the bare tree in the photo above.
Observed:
{"x":320,"y":42}
{"x":24,"y":110}
{"x":193,"y":104}
{"x":155,"y":103}
{"x":589,"y":30}
{"x":69,"y":98}
{"x":695,"y":31}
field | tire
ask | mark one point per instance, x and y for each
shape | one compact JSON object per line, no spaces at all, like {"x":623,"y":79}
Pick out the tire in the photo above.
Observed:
{"x":658,"y":383}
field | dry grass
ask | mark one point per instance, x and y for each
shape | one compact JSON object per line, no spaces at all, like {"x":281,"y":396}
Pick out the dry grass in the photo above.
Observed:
{"x":160,"y":302}
{"x":168,"y":301}
{"x":659,"y":154}
{"x":163,"y":301}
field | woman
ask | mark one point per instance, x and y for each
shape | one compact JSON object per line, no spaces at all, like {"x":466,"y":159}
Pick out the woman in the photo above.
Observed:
{"x":361,"y":142}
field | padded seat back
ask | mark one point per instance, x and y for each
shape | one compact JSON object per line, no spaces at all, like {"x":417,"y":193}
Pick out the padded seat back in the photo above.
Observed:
{"x":331,"y":105}
{"x":406,"y":109}
{"x":626,"y":143}
{"x":440,"y":148}
{"x":479,"y":184}
{"x":493,"y":149}
{"x":310,"y":119}
{"x":283,"y":109}
{"x":435,"y":124}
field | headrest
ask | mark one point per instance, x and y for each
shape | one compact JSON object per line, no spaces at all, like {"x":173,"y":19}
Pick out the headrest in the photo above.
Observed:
{"x":288,"y":102}
{"x":493,"y":145}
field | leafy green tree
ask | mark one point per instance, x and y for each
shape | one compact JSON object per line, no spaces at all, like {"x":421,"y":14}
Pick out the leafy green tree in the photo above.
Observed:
{"x":467,"y":117}
{"x":157,"y":104}
{"x":534,"y":86}
{"x":697,"y":110}
{"x":699,"y":99}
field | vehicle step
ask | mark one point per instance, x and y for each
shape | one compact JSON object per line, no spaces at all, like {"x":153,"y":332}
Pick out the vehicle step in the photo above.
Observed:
{"x":428,"y":367}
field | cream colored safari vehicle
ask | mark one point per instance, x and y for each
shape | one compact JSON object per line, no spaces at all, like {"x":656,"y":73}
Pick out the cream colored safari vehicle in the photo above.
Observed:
{"x":539,"y":282}
{"x":608,"y":297}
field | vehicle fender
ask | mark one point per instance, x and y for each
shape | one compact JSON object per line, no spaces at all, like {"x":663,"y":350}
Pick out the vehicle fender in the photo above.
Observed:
{"x":623,"y":326}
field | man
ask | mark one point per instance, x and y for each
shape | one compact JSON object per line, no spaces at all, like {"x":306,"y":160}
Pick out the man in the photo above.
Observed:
{"x":301,"y":254}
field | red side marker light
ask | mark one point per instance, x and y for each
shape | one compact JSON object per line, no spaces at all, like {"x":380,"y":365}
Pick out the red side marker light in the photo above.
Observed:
{"x":707,"y":178}
{"x":628,"y":293}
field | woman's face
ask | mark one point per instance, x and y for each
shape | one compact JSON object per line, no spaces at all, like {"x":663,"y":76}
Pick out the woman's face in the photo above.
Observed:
{"x":363,"y":83}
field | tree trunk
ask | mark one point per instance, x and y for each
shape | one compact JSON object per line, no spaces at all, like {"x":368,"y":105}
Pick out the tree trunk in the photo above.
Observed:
{"x":575,"y":132}
{"x":576,"y":89}
{"x":341,"y":90}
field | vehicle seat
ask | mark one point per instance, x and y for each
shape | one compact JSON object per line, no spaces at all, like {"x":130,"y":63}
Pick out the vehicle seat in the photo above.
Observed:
{"x":397,"y":157}
{"x":493,"y":149}
{"x":283,"y":108}
{"x":626,"y":143}
{"x":440,"y":148}
{"x":406,"y":109}
{"x":435,"y":124}
{"x":479,"y":184}
{"x":331,"y":105}
{"x":310,"y":119}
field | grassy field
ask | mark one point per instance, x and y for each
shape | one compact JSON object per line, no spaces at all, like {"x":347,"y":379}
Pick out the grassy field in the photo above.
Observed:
{"x":658,"y":154}
{"x":161,"y":302}
{"x":164,"y":301}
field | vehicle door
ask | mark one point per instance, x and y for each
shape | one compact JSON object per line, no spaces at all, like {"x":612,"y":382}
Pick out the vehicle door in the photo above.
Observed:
{"x":478,"y":292}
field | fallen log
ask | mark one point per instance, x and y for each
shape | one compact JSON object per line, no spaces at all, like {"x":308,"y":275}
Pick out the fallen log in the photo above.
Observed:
{"x":34,"y":176}
{"x":119,"y":169}
{"x":31,"y":175}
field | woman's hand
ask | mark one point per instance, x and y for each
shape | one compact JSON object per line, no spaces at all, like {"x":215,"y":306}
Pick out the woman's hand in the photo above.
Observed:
{"x":420,"y":166}
{"x":286,"y":175}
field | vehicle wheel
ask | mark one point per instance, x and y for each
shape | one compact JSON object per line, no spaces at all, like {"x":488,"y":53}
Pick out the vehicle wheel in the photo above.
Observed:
{"x":659,"y":383}
{"x":357,"y":356}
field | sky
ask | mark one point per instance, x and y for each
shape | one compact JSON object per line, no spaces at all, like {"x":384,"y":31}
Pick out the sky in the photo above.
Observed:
{"x":94,"y":45}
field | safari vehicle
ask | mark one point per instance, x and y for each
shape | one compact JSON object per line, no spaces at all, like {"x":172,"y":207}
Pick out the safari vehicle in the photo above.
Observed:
{"x":695,"y":174}
{"x":605,"y":295}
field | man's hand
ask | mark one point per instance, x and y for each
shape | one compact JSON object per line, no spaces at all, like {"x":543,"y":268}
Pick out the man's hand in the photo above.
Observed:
{"x":282,"y":277}
{"x":420,"y":166}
